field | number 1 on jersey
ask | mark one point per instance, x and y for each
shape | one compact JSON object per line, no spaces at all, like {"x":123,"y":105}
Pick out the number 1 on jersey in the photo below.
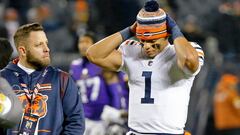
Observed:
{"x":147,"y":97}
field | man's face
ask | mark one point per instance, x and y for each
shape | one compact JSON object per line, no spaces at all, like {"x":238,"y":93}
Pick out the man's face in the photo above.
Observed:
{"x":37,"y":51}
{"x":84,"y":43}
{"x":153,"y":47}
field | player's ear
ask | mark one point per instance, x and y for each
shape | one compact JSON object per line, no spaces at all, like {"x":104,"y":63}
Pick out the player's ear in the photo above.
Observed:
{"x":22,"y":50}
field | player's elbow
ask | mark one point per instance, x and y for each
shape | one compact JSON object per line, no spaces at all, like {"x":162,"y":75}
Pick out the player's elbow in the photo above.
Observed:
{"x":192,"y":57}
{"x":192,"y":62}
{"x":90,"y":56}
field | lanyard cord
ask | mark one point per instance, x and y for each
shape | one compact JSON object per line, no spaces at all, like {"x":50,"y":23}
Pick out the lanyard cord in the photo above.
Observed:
{"x":31,"y":96}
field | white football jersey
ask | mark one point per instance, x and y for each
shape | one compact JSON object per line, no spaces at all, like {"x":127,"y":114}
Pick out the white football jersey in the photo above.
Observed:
{"x":159,"y":90}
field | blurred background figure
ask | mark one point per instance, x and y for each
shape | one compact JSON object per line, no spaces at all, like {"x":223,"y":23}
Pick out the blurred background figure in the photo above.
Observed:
{"x":192,"y":30}
{"x":226,"y":28}
{"x":114,"y":12}
{"x":227,"y":105}
{"x":10,"y":107}
{"x":5,"y":52}
{"x":102,"y":91}
{"x":61,"y":39}
{"x":11,"y":23}
{"x":81,"y":17}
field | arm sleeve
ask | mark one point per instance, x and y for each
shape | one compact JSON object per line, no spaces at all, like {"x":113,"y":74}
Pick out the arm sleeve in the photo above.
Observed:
{"x":200,"y":52}
{"x":74,"y":121}
{"x":121,"y":49}
{"x":14,"y":115}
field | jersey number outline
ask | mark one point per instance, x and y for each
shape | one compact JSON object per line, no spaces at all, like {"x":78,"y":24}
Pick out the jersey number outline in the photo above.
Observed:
{"x":147,"y":96}
{"x":90,"y":82}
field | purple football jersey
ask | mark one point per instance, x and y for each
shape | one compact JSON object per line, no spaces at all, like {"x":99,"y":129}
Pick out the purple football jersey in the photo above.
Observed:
{"x":95,"y":93}
{"x":125,"y":91}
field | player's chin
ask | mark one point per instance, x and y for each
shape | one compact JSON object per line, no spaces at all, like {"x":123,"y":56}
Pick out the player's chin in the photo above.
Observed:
{"x":46,"y":61}
{"x":151,"y":55}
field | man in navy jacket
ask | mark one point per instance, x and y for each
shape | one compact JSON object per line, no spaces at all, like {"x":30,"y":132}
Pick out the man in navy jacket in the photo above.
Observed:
{"x":50,"y":97}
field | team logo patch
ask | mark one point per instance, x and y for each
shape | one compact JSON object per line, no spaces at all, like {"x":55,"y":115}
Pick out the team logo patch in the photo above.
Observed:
{"x":150,"y":63}
{"x":39,"y":106}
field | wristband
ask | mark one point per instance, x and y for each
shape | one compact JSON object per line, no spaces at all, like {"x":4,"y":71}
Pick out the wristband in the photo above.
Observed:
{"x":170,"y":22}
{"x":126,"y":33}
{"x":176,"y":32}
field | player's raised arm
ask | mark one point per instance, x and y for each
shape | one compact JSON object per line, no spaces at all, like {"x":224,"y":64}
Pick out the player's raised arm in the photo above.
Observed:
{"x":104,"y":53}
{"x":187,"y":56}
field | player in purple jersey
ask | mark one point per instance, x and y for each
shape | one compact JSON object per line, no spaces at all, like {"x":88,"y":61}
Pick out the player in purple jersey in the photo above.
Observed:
{"x":98,"y":88}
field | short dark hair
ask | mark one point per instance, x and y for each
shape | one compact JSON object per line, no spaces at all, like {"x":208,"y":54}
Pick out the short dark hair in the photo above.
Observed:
{"x":5,"y":52}
{"x":23,"y":32}
{"x":91,"y":35}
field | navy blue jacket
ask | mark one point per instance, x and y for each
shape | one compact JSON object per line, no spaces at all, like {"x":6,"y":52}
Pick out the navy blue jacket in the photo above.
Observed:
{"x":57,"y":102}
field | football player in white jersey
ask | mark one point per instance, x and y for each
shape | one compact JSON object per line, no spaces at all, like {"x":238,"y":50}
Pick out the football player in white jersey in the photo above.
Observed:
{"x":160,"y":74}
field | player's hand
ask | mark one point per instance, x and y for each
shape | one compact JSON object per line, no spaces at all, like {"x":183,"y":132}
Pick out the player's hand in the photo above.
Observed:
{"x":124,"y":114}
{"x":133,"y":27}
{"x":110,"y":77}
{"x":128,"y":32}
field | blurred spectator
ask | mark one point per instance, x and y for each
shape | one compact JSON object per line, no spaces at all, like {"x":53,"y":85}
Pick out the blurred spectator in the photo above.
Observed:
{"x":11,"y":22}
{"x":227,"y":29}
{"x":214,"y":62}
{"x":192,"y":31}
{"x":236,"y":8}
{"x":5,"y":52}
{"x":61,"y":42}
{"x":3,"y":31}
{"x":60,"y":39}
{"x":10,"y":108}
{"x":22,"y":7}
{"x":81,"y":16}
{"x":116,"y":15}
{"x":227,"y":105}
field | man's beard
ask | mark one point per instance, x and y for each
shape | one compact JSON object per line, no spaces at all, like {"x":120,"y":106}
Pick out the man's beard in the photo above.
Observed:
{"x":36,"y":62}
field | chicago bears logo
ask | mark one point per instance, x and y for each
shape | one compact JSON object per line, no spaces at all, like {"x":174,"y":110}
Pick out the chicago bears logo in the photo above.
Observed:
{"x":39,"y":106}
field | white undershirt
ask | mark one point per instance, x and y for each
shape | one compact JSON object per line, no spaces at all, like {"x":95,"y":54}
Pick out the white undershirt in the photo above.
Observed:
{"x":28,"y":70}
